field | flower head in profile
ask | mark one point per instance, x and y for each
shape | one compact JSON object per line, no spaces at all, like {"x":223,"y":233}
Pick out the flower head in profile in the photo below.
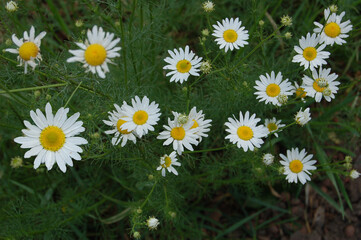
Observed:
{"x":167,"y":162}
{"x":230,"y":35}
{"x":309,"y":54}
{"x":208,"y":6}
{"x":141,"y":116}
{"x":268,"y":159}
{"x":152,"y":223}
{"x":11,"y":6}
{"x":97,"y":51}
{"x":273,"y":125}
{"x":245,"y":132}
{"x":182,"y":64}
{"x":201,"y":124}
{"x":334,"y":31}
{"x":299,"y":91}
{"x":28,"y":48}
{"x":297,"y":165}
{"x":271,"y":86}
{"x":53,"y":138}
{"x":116,"y":122}
{"x":303,"y":117}
{"x":182,"y":135}
{"x":322,"y":84}
{"x":354,"y":174}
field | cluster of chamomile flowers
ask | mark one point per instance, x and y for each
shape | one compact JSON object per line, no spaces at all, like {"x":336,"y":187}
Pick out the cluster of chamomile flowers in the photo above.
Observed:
{"x":53,"y":137}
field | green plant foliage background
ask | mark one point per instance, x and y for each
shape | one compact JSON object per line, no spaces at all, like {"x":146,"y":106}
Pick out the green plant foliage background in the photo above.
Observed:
{"x":98,"y":198}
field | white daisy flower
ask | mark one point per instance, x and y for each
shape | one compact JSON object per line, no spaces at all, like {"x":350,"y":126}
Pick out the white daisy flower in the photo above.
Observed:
{"x":167,"y":162}
{"x":271,"y":86}
{"x":202,"y":125}
{"x":141,"y":116}
{"x":299,"y":91}
{"x":308,"y":55}
{"x":268,"y":159}
{"x":297,"y":165}
{"x":182,"y":63}
{"x":181,"y":135}
{"x":152,"y":223}
{"x":334,"y":31}
{"x":303,"y":117}
{"x":321,"y":84}
{"x":116,"y":121}
{"x":244,"y":131}
{"x":28,"y":48}
{"x":53,"y":139}
{"x":273,"y":125}
{"x":230,"y":34}
{"x":97,"y":51}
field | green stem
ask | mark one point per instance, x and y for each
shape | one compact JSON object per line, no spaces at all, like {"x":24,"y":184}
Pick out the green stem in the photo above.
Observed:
{"x":280,"y":129}
{"x":209,"y":150}
{"x":34,"y":88}
{"x":71,"y":96}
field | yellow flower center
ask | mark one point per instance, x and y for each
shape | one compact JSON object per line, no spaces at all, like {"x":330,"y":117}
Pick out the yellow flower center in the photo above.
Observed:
{"x":245,"y":133}
{"x":300,"y":92}
{"x":52,"y":138}
{"x":230,"y":35}
{"x":167,"y":163}
{"x":317,"y":87}
{"x":309,"y":53}
{"x":28,"y":50}
{"x":332,"y":29}
{"x":273,"y":90}
{"x":195,"y":124}
{"x":183,"y":66}
{"x":140,"y":117}
{"x":119,"y":124}
{"x":178,"y":133}
{"x":95,"y":54}
{"x":272,"y":127}
{"x":296,"y":166}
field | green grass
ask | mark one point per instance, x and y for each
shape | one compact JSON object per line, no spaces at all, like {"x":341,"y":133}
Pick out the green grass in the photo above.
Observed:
{"x":99,"y":197}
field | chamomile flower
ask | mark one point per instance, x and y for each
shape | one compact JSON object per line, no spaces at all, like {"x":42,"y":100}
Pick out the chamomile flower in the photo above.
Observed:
{"x":273,"y":125}
{"x":303,"y":117}
{"x":244,"y":131}
{"x":116,"y":122}
{"x":152,"y":223}
{"x":308,"y":54}
{"x":297,"y":165}
{"x":167,"y":162}
{"x":199,"y":123}
{"x":354,"y":174}
{"x":299,"y":91}
{"x":334,"y":31}
{"x":181,"y":135}
{"x":141,"y":116}
{"x":230,"y":34}
{"x":11,"y":6}
{"x":182,"y":64}
{"x":271,"y":86}
{"x":28,"y":48}
{"x":268,"y":159}
{"x":208,"y":6}
{"x":322,"y":84}
{"x":97,"y":51}
{"x":52,"y":138}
